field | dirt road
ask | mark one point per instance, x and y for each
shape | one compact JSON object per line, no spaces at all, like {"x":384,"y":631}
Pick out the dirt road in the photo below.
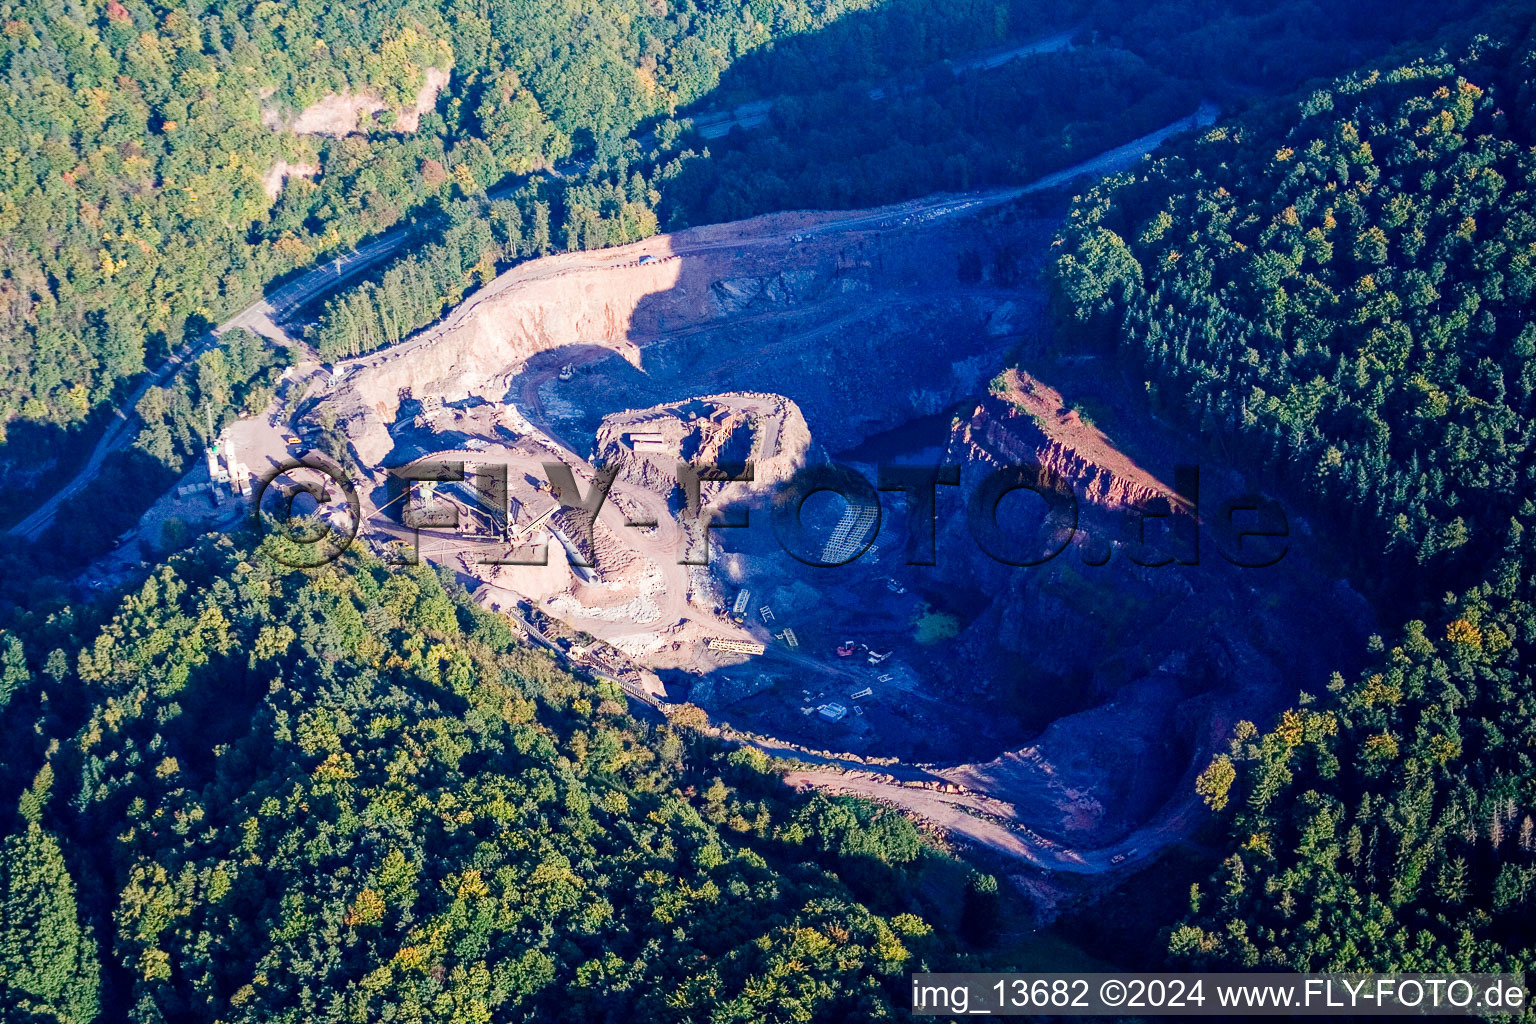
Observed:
{"x":1003,"y":828}
{"x":1128,"y":155}
{"x":960,"y":815}
{"x":952,"y":814}
{"x":773,"y":230}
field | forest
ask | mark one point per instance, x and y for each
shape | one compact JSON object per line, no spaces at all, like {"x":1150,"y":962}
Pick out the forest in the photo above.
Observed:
{"x":1341,"y":285}
{"x":143,"y":195}
{"x":248,"y":793}
{"x":139,"y":209}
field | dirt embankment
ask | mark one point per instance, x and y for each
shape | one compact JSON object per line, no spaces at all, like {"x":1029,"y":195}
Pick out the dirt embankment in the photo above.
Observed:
{"x":562,"y":301}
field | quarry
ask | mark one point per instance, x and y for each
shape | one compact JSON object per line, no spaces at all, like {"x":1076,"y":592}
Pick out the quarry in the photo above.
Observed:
{"x":1054,"y":713}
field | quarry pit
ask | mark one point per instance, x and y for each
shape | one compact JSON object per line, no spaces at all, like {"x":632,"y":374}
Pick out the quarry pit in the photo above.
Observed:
{"x":1060,"y":710}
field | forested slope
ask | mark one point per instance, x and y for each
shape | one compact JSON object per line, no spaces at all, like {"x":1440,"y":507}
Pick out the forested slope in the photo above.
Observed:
{"x":351,"y":795}
{"x":1344,"y":288}
{"x":132,"y":192}
{"x":1347,"y":292}
{"x":139,"y":139}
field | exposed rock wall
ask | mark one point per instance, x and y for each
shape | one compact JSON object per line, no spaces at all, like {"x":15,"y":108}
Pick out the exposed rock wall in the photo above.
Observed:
{"x":339,"y":114}
{"x":862,"y":330}
{"x":1026,"y":421}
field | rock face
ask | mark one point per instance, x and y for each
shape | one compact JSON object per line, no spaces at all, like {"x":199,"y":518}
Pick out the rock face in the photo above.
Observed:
{"x":734,"y":295}
{"x":1026,"y":421}
{"x":835,"y":324}
{"x":1130,"y":674}
{"x":1063,"y":614}
{"x":341,"y":113}
{"x":558,"y":302}
{"x":1095,"y":776}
